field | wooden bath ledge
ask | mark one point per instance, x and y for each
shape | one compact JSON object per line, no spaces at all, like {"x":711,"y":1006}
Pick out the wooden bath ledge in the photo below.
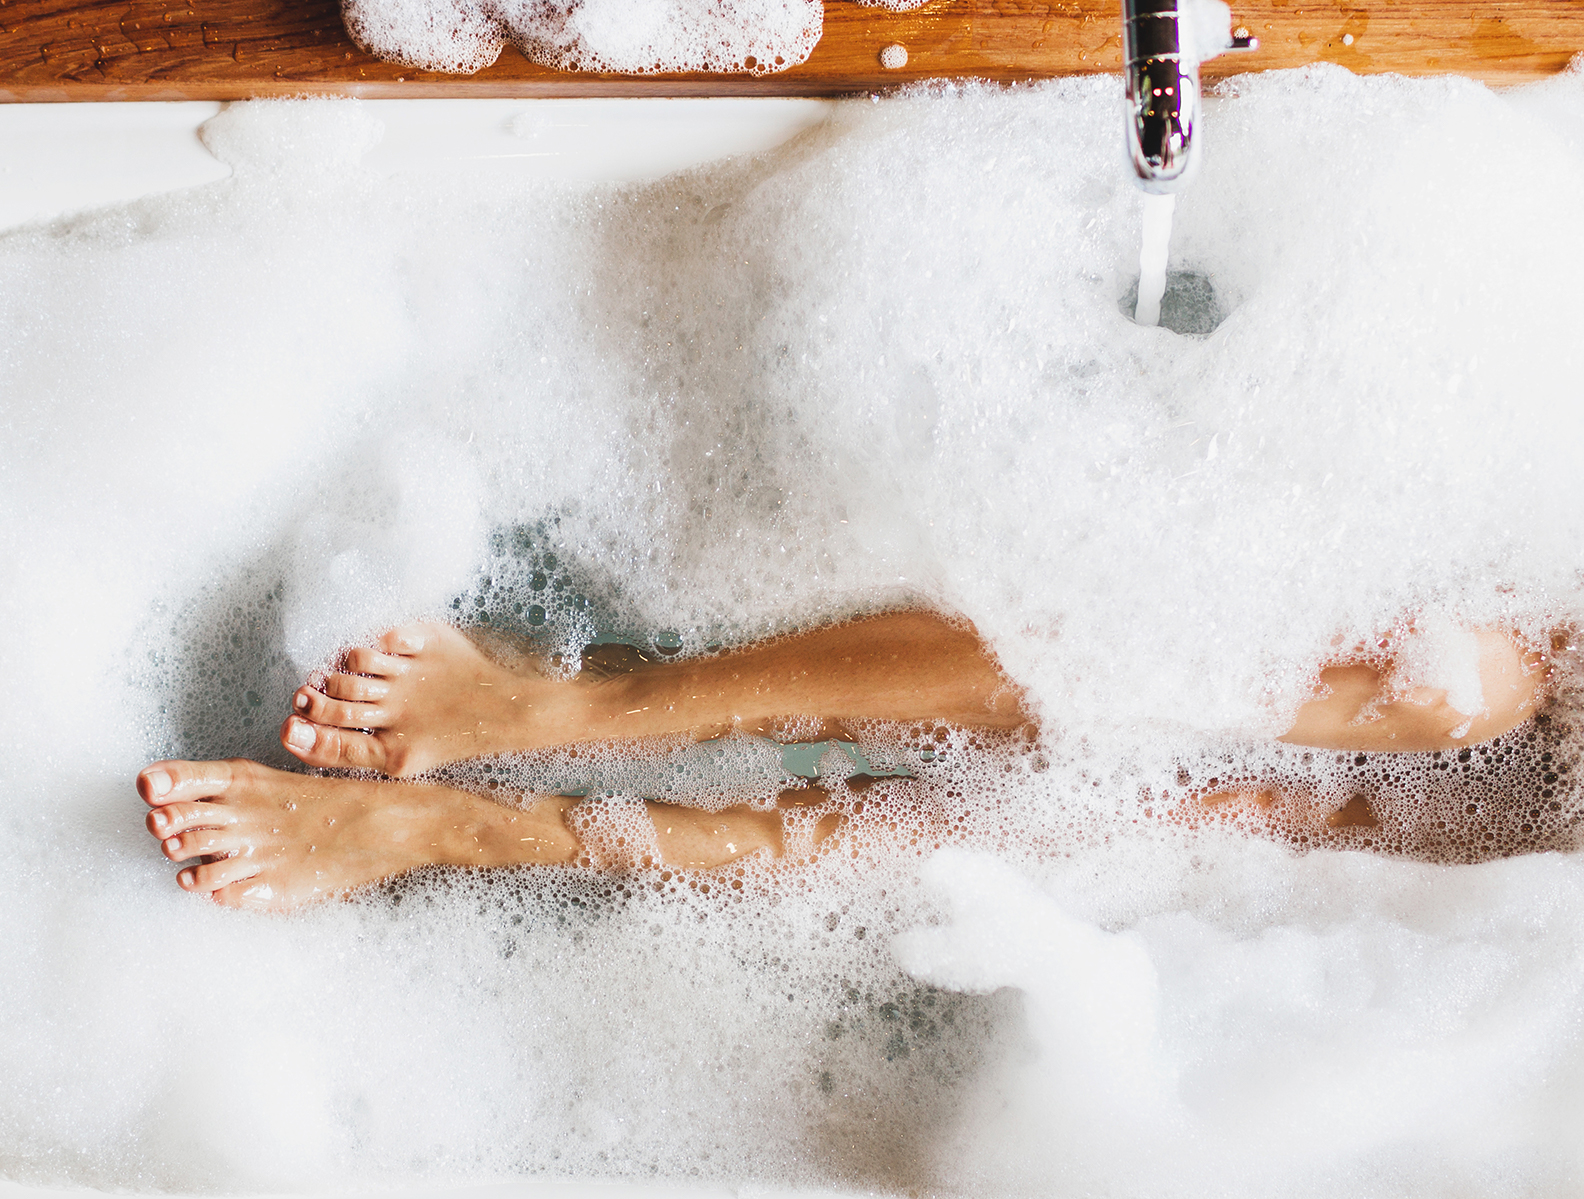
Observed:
{"x":233,"y":49}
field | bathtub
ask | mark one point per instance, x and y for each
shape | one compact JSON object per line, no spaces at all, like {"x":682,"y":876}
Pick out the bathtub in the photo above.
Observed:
{"x":1258,"y":961}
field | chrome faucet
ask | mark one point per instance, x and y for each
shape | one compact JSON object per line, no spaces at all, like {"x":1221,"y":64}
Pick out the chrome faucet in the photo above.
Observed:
{"x":1161,"y":53}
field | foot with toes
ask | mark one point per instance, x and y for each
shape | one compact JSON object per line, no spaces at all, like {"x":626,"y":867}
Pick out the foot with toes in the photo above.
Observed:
{"x":424,"y":696}
{"x":268,"y":839}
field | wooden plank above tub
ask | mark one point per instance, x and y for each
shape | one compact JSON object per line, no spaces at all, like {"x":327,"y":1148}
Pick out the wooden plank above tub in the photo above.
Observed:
{"x":231,"y":49}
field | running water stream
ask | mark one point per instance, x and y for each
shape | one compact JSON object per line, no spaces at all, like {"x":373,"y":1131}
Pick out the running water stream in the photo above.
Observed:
{"x":1152,"y":257}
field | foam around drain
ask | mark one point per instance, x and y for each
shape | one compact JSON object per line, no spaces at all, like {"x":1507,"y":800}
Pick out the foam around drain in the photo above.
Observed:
{"x":1190,"y":305}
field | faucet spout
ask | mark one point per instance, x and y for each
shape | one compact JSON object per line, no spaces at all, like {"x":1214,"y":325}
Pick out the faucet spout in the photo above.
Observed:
{"x":1162,"y":50}
{"x":1162,"y":94}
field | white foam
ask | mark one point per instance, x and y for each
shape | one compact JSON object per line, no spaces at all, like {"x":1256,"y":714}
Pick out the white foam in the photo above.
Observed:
{"x":1440,"y":655}
{"x":641,"y":37}
{"x":385,"y":541}
{"x":1205,"y":29}
{"x":882,"y":364}
{"x":625,"y":36}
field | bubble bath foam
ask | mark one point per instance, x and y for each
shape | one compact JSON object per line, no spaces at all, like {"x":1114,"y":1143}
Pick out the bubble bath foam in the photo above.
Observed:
{"x":883,"y":364}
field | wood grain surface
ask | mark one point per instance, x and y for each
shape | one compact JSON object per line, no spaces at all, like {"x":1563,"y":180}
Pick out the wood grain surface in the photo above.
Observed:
{"x":232,"y":49}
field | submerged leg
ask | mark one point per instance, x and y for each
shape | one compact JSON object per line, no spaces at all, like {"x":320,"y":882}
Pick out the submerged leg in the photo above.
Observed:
{"x":271,"y":840}
{"x":1374,"y":708}
{"x":1361,"y":707}
{"x":426,"y":695}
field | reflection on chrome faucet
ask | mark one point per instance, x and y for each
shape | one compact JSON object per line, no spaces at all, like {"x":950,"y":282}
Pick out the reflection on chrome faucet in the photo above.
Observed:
{"x":1163,"y":43}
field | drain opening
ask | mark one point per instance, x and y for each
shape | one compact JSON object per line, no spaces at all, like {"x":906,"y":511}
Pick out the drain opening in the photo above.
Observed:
{"x":1190,"y":305}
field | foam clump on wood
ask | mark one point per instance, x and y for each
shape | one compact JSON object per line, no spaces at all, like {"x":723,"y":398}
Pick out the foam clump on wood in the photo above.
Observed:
{"x":639,"y":37}
{"x":617,"y":36}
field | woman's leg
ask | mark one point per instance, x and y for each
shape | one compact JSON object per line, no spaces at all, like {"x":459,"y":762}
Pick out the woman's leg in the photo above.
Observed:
{"x":427,"y":695}
{"x":286,"y":839}
{"x":1373,"y":708}
{"x":277,"y":840}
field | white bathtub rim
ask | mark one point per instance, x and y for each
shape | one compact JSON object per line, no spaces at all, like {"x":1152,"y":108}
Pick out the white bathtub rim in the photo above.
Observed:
{"x":57,"y":160}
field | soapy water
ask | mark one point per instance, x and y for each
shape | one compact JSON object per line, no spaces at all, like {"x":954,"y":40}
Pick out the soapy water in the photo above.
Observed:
{"x":881,"y":365}
{"x":1189,"y":304}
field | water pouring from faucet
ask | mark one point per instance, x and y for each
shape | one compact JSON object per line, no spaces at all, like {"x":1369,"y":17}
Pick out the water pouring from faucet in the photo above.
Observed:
{"x":1152,"y":257}
{"x":1163,"y":43}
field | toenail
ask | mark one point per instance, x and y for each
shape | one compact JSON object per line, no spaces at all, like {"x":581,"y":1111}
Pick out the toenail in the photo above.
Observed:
{"x":300,"y":735}
{"x":173,"y":844}
{"x":159,"y":819}
{"x":301,"y":701}
{"x":187,"y":877}
{"x":159,"y":782}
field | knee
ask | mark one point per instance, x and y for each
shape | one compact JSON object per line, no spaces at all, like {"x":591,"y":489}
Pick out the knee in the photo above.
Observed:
{"x":1435,"y":712}
{"x":1406,"y":706}
{"x":1513,"y":678}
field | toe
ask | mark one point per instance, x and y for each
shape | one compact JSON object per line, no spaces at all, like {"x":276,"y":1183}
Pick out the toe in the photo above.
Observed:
{"x":332,"y":748}
{"x":407,"y":639}
{"x":170,"y":819}
{"x":362,"y":660}
{"x":313,"y":704}
{"x":199,"y":843}
{"x":161,"y":783}
{"x":355,"y":688}
{"x":211,"y":876}
{"x":253,"y":893}
{"x":155,"y":783}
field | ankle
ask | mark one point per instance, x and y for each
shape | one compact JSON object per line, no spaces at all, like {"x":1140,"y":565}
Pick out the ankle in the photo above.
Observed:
{"x":537,"y":835}
{"x":468,"y":830}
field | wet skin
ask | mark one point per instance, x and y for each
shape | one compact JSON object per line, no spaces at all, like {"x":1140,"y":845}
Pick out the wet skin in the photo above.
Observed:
{"x":426,"y":695}
{"x":276,"y":840}
{"x":1349,"y":712}
{"x":272,"y":840}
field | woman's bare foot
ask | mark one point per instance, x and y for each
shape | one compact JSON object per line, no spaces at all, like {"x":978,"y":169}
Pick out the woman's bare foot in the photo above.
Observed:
{"x":273,"y":840}
{"x":425,"y":696}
